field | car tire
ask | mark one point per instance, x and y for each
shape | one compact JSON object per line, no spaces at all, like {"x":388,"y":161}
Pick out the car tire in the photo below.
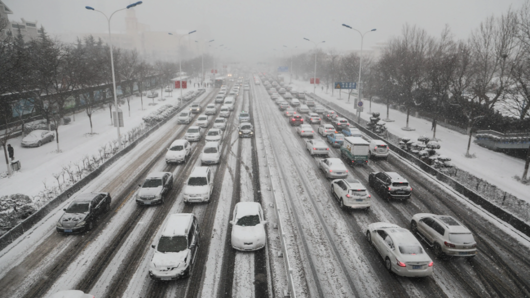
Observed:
{"x":39,"y":144}
{"x":388,"y":264}
{"x":107,"y":208}
{"x":369,"y":237}
{"x":414,"y":227}
{"x":341,"y":204}
{"x":90,"y":225}
{"x":437,"y":250}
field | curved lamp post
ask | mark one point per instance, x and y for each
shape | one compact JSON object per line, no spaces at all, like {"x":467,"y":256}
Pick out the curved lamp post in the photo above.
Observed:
{"x":315,"y":73}
{"x":117,"y":121}
{"x":360,"y":62}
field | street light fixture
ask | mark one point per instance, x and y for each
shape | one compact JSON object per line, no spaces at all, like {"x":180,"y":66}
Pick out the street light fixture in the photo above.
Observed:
{"x":360,"y":63}
{"x":202,"y":62}
{"x":117,"y":121}
{"x":291,"y":69}
{"x":180,"y":62}
{"x":315,"y":74}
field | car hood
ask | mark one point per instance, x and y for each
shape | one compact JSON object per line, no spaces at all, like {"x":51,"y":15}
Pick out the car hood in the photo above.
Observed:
{"x":30,"y":138}
{"x":170,"y":259}
{"x":248,"y":233}
{"x":72,"y":218}
{"x":192,"y":190}
{"x":151,"y":191}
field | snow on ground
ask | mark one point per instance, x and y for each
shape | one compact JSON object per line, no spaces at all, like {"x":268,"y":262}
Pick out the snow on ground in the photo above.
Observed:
{"x":495,"y":167}
{"x":40,"y":163}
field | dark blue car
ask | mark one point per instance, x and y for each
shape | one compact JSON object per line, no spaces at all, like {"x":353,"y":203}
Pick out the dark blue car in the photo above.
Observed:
{"x":336,"y":139}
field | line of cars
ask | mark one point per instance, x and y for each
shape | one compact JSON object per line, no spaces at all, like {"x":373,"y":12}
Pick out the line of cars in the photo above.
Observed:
{"x":401,"y":249}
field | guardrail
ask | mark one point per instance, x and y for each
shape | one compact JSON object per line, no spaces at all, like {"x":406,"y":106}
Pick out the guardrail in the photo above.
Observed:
{"x":17,"y":231}
{"x":283,"y":237}
{"x":476,"y":198}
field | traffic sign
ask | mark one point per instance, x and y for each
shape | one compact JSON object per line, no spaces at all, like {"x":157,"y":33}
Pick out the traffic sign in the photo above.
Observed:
{"x":345,"y":85}
{"x":360,"y":103}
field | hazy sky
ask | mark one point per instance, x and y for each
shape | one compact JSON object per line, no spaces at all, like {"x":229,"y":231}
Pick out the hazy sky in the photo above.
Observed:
{"x":255,"y":28}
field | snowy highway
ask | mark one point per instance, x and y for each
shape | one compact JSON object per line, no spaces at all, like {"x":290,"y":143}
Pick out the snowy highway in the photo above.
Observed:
{"x":326,"y":246}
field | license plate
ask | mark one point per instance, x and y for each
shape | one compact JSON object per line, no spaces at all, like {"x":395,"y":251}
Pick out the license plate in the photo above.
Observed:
{"x":417,"y":266}
{"x":68,"y":231}
{"x":165,"y":278}
{"x":147,"y":203}
{"x":400,"y":191}
{"x":339,"y":173}
{"x":359,"y":200}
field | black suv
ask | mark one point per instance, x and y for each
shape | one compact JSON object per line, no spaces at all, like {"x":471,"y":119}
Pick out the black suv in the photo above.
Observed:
{"x":296,"y":120}
{"x":390,"y":185}
{"x":83,"y":211}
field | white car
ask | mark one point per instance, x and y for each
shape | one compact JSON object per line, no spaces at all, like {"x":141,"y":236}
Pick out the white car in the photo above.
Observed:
{"x":202,"y":121}
{"x":185,"y":117}
{"x":155,"y":188}
{"x":317,"y":147}
{"x":248,"y":227}
{"x":378,"y":148}
{"x":313,"y":118}
{"x":178,"y":151}
{"x":214,"y":135}
{"x":219,"y":98}
{"x":326,"y":129}
{"x":401,"y":251}
{"x":288,"y":112}
{"x":225,"y":112}
{"x":71,"y":294}
{"x":446,"y":235}
{"x":219,"y":123}
{"x":199,"y":187}
{"x":305,"y":130}
{"x":211,"y":153}
{"x":350,"y":193}
{"x":333,"y":168}
{"x":194,"y":133}
{"x":230,"y":102}
{"x":210,"y":109}
{"x":303,"y":109}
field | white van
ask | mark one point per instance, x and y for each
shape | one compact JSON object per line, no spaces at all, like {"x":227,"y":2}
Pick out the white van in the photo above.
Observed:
{"x":378,"y":148}
{"x":176,"y":248}
{"x":185,"y":117}
{"x":225,"y":112}
{"x":199,"y":187}
{"x":211,"y":153}
{"x":229,"y":102}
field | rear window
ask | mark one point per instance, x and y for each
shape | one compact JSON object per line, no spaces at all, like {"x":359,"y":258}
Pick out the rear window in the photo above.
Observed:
{"x":177,"y":148}
{"x":213,"y":133}
{"x":400,"y":184}
{"x":183,"y":114}
{"x":461,"y":238}
{"x":410,"y":250}
{"x":244,"y":115}
{"x":358,"y":192}
{"x":210,"y":150}
{"x":197,"y":181}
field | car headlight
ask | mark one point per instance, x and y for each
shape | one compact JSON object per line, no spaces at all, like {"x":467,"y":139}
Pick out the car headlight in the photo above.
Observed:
{"x":239,"y":132}
{"x":251,"y":132}
{"x":59,"y":225}
{"x":80,"y":224}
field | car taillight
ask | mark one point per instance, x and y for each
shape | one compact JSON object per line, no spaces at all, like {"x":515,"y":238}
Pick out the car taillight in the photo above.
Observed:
{"x":411,"y":189}
{"x":293,"y":119}
{"x":431,"y":264}
{"x":330,"y":171}
{"x":314,"y":148}
{"x":375,"y":147}
{"x":348,"y":195}
{"x":313,"y":131}
{"x":449,"y":244}
{"x":302,"y":131}
{"x":327,"y":149}
{"x":474,"y":245}
{"x":346,"y":171}
{"x":401,"y":264}
{"x":369,"y":196}
{"x":389,"y":188}
{"x":311,"y":119}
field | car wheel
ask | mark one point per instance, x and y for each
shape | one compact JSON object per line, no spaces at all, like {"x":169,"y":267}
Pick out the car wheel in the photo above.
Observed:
{"x":413,"y":226}
{"x":388,"y":264}
{"x":39,"y":144}
{"x":341,"y":204}
{"x":107,"y":208}
{"x":90,"y":225}
{"x":437,"y":249}
{"x":369,"y":237}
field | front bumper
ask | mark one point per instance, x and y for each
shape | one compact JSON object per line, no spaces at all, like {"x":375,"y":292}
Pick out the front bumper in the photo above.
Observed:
{"x":148,"y":202}
{"x":30,"y":144}
{"x":196,"y":198}
{"x":70,"y":230}
{"x":175,"y":159}
{"x":400,"y":196}
{"x":246,"y":135}
{"x":409,"y":272}
{"x":167,"y":275}
{"x":455,"y":252}
{"x":193,"y":138}
{"x":337,"y":176}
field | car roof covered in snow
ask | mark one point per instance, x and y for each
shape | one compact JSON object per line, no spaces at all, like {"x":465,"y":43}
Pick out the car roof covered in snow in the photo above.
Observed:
{"x":247,"y":208}
{"x":178,"y":224}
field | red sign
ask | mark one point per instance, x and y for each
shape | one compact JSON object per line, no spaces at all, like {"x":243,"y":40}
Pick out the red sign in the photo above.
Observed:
{"x":184,"y":84}
{"x":214,"y":70}
{"x":312,"y":81}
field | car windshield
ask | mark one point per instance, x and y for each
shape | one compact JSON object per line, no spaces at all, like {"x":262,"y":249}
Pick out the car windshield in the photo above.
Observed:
{"x":35,"y":134}
{"x":172,"y":244}
{"x":219,"y":121}
{"x":339,"y":137}
{"x":400,"y":184}
{"x":210,"y":150}
{"x":177,"y":148}
{"x":183,"y":114}
{"x":410,"y":250}
{"x":213,"y":133}
{"x":149,"y":183}
{"x":245,"y":127}
{"x":78,"y":207}
{"x":194,"y":106}
{"x":358,"y":192}
{"x":248,"y":221}
{"x":197,"y":181}
{"x":461,"y":238}
{"x":203,"y":118}
{"x":193,"y":130}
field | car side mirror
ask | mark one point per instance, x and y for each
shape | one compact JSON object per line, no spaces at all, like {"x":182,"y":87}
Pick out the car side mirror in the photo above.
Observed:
{"x":139,"y":185}
{"x":231,"y":222}
{"x":264,"y":222}
{"x":64,"y":209}
{"x":153,"y":246}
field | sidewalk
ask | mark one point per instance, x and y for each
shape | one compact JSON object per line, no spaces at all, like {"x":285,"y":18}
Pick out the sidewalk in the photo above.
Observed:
{"x":39,"y":164}
{"x":494,"y":167}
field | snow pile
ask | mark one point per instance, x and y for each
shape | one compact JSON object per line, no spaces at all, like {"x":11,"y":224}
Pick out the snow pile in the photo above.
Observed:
{"x":160,"y":114}
{"x":13,"y":209}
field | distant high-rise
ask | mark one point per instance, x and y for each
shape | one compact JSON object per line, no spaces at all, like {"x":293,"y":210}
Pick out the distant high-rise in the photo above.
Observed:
{"x":28,"y":30}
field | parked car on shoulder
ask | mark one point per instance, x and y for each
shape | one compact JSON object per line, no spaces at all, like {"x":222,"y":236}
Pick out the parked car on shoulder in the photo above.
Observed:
{"x":335,"y":139}
{"x":37,"y":138}
{"x":83,"y":211}
{"x":248,"y":227}
{"x":390,"y":185}
{"x":317,"y":147}
{"x":305,"y":130}
{"x":178,"y":151}
{"x":333,"y":168}
{"x":400,"y":250}
{"x":350,"y":193}
{"x":296,"y":120}
{"x":155,"y":188}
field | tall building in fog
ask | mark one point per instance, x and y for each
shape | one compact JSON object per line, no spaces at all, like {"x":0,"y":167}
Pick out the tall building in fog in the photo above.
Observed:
{"x":27,"y":29}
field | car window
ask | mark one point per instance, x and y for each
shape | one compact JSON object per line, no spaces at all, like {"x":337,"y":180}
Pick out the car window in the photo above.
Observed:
{"x":150,"y":183}
{"x":210,"y":150}
{"x":400,"y":184}
{"x":358,"y":192}
{"x":380,"y":176}
{"x":193,"y":130}
{"x":248,"y":221}
{"x":246,"y":127}
{"x":183,"y":114}
{"x":191,"y":234}
{"x":438,"y":228}
{"x":177,"y":148}
{"x":219,"y":121}
{"x":197,"y":181}
{"x":463,"y":238}
{"x":342,"y":185}
{"x":78,"y":207}
{"x":213,"y":133}
{"x":428,"y":221}
{"x":172,"y":244}
{"x":410,"y":250}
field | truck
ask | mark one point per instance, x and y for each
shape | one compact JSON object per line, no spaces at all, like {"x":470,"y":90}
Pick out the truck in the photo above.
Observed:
{"x":355,"y":150}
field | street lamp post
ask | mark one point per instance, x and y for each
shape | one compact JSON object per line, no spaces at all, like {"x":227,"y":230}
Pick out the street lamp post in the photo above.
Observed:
{"x":291,"y":69}
{"x":202,"y":63}
{"x":315,"y":73}
{"x":117,"y":121}
{"x":180,"y":62}
{"x":360,"y":62}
